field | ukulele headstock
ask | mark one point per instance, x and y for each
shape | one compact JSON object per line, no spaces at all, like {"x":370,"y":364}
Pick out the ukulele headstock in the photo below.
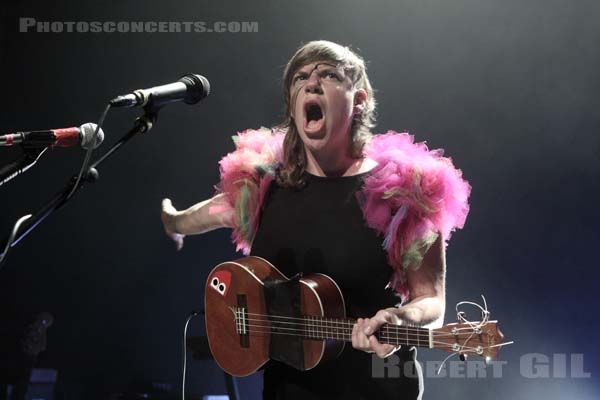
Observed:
{"x":466,"y":339}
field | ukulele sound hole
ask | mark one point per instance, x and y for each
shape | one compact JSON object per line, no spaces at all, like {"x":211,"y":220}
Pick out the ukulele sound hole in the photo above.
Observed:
{"x":241,"y":321}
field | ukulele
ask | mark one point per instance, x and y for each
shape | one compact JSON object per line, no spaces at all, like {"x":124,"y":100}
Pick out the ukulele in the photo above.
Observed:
{"x":241,"y":330}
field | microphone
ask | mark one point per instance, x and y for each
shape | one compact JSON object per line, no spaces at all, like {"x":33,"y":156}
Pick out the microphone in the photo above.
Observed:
{"x":191,"y":89}
{"x":65,"y":137}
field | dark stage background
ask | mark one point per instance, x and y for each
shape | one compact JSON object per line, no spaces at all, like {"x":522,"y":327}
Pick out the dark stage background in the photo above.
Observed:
{"x":508,"y":88}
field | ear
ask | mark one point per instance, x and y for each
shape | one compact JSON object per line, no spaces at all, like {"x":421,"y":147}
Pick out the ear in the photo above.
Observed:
{"x":360,"y":98}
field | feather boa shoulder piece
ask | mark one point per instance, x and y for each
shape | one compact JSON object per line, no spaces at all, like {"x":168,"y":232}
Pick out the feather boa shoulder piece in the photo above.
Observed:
{"x":411,"y":197}
{"x":246,"y":174}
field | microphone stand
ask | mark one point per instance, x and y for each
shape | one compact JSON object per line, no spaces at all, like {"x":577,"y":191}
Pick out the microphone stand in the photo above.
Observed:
{"x":142,"y":124}
{"x":17,"y":167}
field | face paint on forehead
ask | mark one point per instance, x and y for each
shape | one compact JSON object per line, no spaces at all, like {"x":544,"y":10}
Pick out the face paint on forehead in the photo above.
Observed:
{"x":323,"y":63}
{"x":296,"y":90}
{"x":319,"y":64}
{"x":293,"y":98}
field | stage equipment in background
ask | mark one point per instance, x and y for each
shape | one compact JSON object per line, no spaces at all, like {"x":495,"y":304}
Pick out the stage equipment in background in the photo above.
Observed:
{"x":21,"y":341}
{"x":200,"y":349}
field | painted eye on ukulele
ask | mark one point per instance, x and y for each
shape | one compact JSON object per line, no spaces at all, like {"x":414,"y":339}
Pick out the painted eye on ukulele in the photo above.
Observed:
{"x":220,"y":281}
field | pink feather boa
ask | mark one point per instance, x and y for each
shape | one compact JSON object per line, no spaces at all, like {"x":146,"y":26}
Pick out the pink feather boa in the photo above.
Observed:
{"x":410,"y":197}
{"x":246,"y":174}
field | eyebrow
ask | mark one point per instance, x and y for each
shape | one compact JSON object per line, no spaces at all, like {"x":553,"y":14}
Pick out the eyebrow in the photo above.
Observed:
{"x":317,"y":65}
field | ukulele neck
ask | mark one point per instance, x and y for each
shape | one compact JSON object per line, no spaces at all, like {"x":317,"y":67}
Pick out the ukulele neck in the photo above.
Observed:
{"x":324,"y":328}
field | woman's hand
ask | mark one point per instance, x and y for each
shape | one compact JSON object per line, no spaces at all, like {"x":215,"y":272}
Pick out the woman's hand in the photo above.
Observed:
{"x":168,"y":215}
{"x":362,"y":332}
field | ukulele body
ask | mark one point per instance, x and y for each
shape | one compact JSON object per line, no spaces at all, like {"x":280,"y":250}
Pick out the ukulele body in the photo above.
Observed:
{"x":238,"y":285}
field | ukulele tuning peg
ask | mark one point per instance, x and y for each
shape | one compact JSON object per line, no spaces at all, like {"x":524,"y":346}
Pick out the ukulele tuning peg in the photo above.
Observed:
{"x":487,"y":360}
{"x":463,"y":357}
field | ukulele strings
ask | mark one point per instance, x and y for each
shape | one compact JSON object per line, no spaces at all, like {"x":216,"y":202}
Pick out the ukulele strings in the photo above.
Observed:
{"x":310,"y":328}
{"x":385,"y":336}
{"x":345,"y":333}
{"x":267,"y":332}
{"x":343,"y":324}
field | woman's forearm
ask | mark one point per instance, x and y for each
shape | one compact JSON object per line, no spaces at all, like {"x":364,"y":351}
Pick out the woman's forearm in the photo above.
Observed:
{"x":203,"y":217}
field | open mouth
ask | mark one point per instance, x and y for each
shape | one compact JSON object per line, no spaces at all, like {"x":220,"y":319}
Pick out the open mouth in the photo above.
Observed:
{"x":314,"y":117}
{"x":313,"y":113}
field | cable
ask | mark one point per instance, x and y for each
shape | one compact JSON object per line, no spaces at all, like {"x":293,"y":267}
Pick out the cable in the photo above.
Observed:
{"x":84,"y":167}
{"x":419,"y":371}
{"x":187,"y":321}
{"x":88,"y":154}
{"x":475,"y":326}
{"x":33,"y":159}
{"x":11,"y":238}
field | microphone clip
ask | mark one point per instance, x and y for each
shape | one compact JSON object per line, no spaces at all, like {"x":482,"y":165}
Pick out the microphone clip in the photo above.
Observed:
{"x":146,"y":121}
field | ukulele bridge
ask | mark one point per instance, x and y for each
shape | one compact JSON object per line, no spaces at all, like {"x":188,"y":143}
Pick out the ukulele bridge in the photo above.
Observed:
{"x":241,"y":320}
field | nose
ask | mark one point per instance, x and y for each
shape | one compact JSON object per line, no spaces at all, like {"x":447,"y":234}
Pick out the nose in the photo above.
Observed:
{"x":313,"y":83}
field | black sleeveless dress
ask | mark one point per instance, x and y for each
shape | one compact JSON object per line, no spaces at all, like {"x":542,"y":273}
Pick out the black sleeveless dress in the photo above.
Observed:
{"x":320,"y":228}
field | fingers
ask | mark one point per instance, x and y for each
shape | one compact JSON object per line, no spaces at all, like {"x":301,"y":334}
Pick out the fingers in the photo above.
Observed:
{"x":382,"y":350}
{"x":167,"y":215}
{"x":360,"y":341}
{"x":167,"y":205}
{"x":363,"y":337}
{"x":178,"y":239}
{"x":382,"y":317}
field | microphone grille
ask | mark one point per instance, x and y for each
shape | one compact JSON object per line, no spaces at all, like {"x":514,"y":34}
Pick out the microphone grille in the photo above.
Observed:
{"x":198,"y":88}
{"x":87,"y":135}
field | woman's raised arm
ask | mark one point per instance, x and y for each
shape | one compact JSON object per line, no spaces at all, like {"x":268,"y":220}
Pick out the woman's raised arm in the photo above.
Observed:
{"x":202,"y":217}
